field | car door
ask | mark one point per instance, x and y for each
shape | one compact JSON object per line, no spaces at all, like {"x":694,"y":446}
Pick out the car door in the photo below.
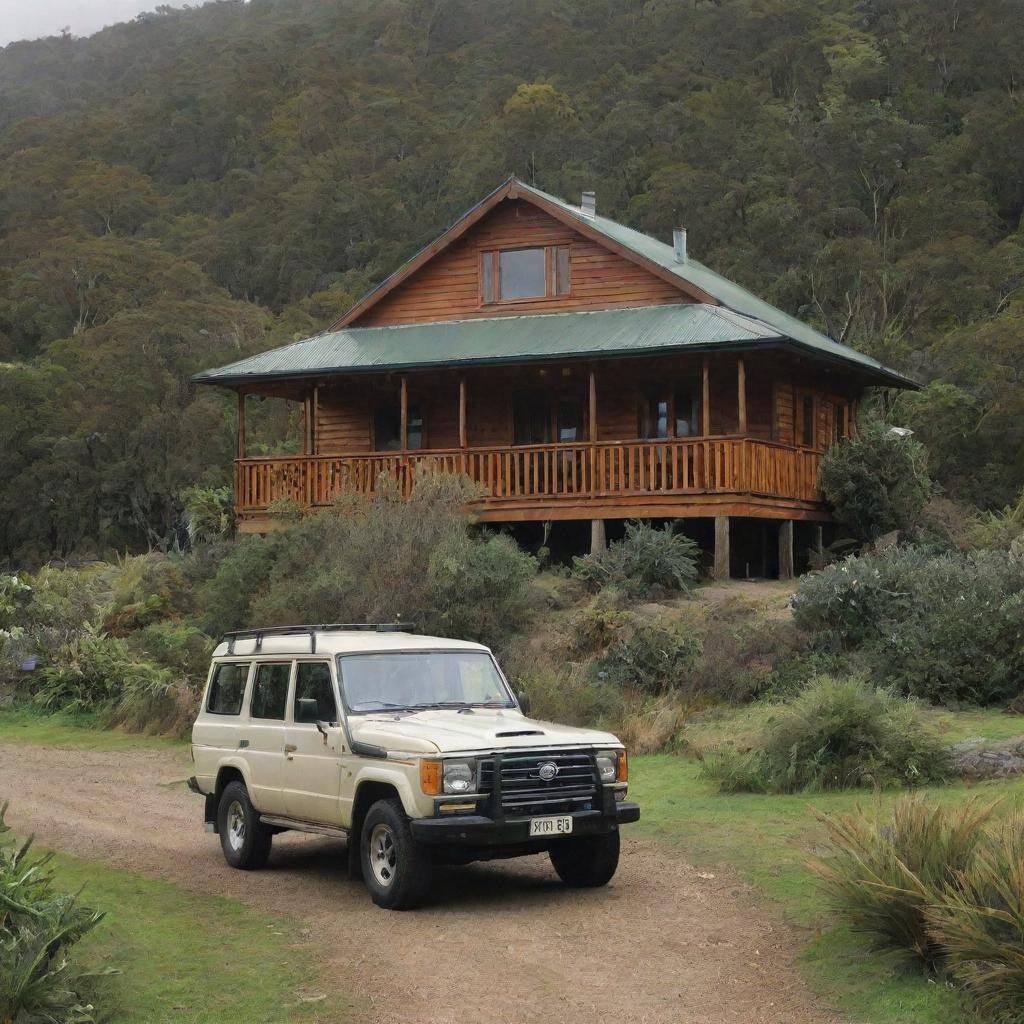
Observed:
{"x":265,"y":753}
{"x":312,"y":766}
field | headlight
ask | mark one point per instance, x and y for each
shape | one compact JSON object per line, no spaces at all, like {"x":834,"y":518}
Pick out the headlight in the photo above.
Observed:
{"x":611,"y":766}
{"x":459,"y":776}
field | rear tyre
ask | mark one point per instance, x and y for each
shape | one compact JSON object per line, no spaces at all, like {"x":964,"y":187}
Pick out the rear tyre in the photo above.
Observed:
{"x":244,"y":839}
{"x":586,"y":862}
{"x":396,"y":869}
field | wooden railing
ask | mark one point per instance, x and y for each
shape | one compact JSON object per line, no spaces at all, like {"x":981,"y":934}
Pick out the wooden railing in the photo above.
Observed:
{"x":545,"y":472}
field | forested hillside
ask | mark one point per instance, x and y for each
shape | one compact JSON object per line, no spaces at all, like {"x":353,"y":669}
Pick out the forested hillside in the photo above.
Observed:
{"x":198,"y":185}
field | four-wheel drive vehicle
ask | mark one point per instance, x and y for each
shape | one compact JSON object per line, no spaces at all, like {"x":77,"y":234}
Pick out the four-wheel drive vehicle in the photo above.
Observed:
{"x":414,"y":748}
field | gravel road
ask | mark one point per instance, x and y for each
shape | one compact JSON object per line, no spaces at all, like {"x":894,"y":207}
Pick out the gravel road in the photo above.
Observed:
{"x":502,"y":942}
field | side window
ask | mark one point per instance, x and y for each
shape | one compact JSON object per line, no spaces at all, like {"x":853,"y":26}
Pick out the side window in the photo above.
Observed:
{"x":270,"y":690}
{"x":313,"y":682}
{"x":227,"y":689}
{"x":807,"y":434}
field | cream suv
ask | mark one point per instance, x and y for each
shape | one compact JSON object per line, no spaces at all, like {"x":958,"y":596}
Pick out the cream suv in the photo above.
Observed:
{"x":413,"y":748}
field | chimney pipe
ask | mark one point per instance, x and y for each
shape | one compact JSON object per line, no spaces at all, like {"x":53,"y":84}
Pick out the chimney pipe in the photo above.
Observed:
{"x":679,"y":244}
{"x":588,"y":204}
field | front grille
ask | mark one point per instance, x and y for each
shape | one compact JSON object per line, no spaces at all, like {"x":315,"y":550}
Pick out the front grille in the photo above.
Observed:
{"x":523,"y":791}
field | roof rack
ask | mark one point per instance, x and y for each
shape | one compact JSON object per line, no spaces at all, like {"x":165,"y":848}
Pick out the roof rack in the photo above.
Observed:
{"x":312,"y":630}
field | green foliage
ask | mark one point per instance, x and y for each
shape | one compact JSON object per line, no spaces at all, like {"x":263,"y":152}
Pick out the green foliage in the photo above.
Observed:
{"x":646,"y":558}
{"x":836,"y":734}
{"x":147,"y":588}
{"x":93,"y":673}
{"x":884,"y":875}
{"x":39,"y":984}
{"x":209,"y":513}
{"x":650,"y":657}
{"x":876,"y":481}
{"x":379,"y":559}
{"x":945,"y":627}
{"x":979,"y":924}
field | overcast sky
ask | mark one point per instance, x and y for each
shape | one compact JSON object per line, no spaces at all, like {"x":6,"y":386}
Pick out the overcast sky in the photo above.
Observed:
{"x":29,"y":19}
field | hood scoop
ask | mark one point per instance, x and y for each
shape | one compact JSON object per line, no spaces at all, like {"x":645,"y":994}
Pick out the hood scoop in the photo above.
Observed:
{"x":522,"y":732}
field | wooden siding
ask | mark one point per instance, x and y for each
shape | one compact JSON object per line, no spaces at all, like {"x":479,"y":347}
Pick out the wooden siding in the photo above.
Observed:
{"x":448,"y":287}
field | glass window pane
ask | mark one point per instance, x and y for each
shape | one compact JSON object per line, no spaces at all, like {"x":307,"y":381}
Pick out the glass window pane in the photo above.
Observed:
{"x":227,"y":689}
{"x":570,"y":420}
{"x":374,"y":681}
{"x":387,"y":424}
{"x":270,"y":691}
{"x":487,"y":276}
{"x":522,"y":273}
{"x":808,"y":416}
{"x":415,"y":427}
{"x":313,"y":682}
{"x":687,"y":410}
{"x":562,"y":271}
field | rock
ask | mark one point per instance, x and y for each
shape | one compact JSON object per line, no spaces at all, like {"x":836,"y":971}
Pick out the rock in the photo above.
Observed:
{"x":977,"y":758}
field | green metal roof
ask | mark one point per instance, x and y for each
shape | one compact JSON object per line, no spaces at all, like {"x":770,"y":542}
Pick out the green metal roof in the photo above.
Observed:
{"x":741,"y":319}
{"x":646,"y":330}
{"x":730,"y":294}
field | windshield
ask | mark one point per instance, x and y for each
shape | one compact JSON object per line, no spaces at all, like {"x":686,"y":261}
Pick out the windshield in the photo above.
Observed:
{"x":421,"y":679}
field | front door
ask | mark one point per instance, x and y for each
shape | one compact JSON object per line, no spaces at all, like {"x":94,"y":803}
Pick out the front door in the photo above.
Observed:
{"x":312,"y":765}
{"x":265,"y":732}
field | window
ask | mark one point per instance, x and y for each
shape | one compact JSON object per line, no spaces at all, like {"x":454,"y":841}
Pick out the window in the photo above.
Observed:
{"x":807,"y":435}
{"x":270,"y":691}
{"x":511,"y":275}
{"x":227,"y":689}
{"x":840,"y":421}
{"x":687,"y":410}
{"x":313,"y":682}
{"x":412,"y":679}
{"x":671,"y":413}
{"x":387,"y":428}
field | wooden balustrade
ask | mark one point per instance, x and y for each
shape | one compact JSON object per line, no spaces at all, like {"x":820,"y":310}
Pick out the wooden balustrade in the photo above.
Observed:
{"x":531,"y":473}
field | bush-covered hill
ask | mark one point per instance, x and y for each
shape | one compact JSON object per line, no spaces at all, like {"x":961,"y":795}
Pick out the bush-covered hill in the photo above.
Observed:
{"x":200,"y":184}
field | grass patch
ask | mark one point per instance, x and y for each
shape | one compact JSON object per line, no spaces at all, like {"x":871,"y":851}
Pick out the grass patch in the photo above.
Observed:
{"x":767,"y":840}
{"x":75,"y":732}
{"x":191,"y":959}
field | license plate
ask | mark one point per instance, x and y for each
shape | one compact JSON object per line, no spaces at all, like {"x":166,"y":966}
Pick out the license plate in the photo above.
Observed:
{"x":560,"y":826}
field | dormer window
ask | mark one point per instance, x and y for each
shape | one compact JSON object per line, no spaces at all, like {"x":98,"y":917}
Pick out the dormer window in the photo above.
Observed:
{"x":518,"y":275}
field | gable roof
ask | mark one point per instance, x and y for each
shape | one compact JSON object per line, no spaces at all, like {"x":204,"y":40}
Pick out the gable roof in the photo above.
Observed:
{"x":742,"y":318}
{"x":644,"y":330}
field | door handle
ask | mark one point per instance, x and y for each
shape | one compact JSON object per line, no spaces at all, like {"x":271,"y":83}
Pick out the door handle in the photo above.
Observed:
{"x":289,"y":749}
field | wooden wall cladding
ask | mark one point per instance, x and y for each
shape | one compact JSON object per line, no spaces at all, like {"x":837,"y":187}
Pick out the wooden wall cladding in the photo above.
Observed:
{"x":447,"y":287}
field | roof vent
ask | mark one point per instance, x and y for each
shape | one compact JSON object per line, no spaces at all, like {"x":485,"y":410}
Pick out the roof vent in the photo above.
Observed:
{"x":588,"y":204}
{"x":679,"y":244}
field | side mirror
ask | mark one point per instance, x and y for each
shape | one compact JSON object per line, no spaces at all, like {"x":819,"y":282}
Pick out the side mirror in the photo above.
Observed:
{"x":524,"y":701}
{"x":307,"y":710}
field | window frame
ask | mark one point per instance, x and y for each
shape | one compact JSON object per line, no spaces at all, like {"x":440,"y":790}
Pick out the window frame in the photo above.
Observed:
{"x":243,"y":700}
{"x":556,"y":286}
{"x":290,"y":662}
{"x":293,"y":693}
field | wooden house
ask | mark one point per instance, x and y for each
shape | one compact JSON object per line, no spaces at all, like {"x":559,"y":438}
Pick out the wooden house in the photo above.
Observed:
{"x":577,"y":370}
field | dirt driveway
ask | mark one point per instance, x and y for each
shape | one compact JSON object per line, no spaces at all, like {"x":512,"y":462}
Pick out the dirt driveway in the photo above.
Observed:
{"x":503,"y":942}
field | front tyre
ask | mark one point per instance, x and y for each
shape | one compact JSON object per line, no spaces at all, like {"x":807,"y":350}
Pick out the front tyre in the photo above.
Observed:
{"x":244,"y":839}
{"x":396,"y":869}
{"x":586,"y":862}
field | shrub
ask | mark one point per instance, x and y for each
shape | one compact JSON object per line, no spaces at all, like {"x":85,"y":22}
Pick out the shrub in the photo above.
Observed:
{"x":979,"y":923}
{"x":383,"y":558}
{"x":147,"y":588}
{"x":876,"y":481}
{"x":38,"y":928}
{"x":883,"y":876}
{"x":649,"y":657}
{"x":837,"y":734}
{"x":945,"y":627}
{"x":184,"y":649}
{"x":209,"y":514}
{"x":92,"y":673}
{"x":644,"y":559}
